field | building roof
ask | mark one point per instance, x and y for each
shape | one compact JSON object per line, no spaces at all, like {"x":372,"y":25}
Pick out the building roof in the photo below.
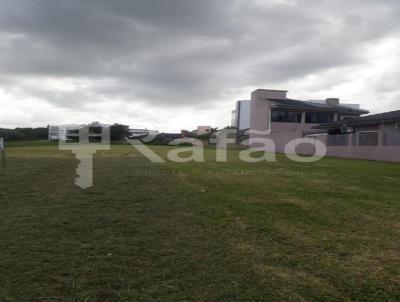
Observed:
{"x":387,"y":117}
{"x":313,"y":106}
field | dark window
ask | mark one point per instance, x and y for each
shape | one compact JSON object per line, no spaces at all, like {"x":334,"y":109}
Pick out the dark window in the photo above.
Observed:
{"x":319,"y":117}
{"x":286,"y":116}
{"x":95,"y":130}
{"x":73,"y":131}
{"x":391,"y":138}
{"x":338,"y":140}
{"x":73,"y":139}
{"x":368,"y":139}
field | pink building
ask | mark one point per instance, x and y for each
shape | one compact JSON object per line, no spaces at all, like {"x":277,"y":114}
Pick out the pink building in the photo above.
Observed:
{"x":280,"y":119}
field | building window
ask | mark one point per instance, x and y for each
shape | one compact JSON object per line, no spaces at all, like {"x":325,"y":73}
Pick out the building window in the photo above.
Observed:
{"x":338,"y":140}
{"x":391,"y":138}
{"x":368,"y":138}
{"x":73,"y":132}
{"x":95,"y":130}
{"x":286,"y":116}
{"x":319,"y":117}
{"x":72,"y":139}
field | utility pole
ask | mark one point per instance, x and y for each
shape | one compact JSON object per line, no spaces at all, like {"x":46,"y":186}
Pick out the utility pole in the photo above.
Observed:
{"x":3,"y":152}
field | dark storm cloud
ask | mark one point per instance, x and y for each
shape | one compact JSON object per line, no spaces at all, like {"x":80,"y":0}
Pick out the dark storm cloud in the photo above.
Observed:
{"x":182,"y":52}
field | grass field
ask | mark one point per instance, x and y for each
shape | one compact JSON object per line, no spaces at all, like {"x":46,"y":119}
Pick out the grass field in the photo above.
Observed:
{"x":284,"y":231}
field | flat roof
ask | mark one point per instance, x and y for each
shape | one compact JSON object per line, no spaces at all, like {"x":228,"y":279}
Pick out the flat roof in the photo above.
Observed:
{"x":264,"y":89}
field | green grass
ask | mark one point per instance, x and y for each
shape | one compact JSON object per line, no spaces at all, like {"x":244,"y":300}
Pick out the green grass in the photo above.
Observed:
{"x":284,"y":231}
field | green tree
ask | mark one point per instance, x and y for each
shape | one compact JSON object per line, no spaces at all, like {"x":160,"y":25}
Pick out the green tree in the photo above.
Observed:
{"x":118,"y":131}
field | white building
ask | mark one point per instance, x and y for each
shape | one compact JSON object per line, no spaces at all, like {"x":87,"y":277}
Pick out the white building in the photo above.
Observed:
{"x":71,"y":133}
{"x":241,"y":115}
{"x":59,"y":133}
{"x":54,"y":133}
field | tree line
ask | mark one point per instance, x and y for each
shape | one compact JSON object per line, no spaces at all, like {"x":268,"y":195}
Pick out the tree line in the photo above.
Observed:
{"x":117,"y":132}
{"x":24,"y":133}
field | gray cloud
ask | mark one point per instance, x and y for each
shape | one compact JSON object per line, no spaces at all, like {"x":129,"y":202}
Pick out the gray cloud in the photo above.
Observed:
{"x":182,"y":52}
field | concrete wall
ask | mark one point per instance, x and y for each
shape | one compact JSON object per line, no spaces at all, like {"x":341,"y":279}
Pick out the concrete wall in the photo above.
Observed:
{"x":259,"y":113}
{"x":381,"y":152}
{"x":280,"y":133}
{"x":260,"y":110}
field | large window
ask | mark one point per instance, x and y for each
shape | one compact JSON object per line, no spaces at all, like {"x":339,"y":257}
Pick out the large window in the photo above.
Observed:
{"x":94,"y":139}
{"x":95,"y":130}
{"x":72,"y":131}
{"x":285,"y":116}
{"x":391,"y":138}
{"x":319,"y":117}
{"x":368,"y":138}
{"x":338,"y":140}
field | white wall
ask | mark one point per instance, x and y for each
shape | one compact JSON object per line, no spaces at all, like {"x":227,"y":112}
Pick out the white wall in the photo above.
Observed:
{"x":245,"y":109}
{"x":242,"y":114}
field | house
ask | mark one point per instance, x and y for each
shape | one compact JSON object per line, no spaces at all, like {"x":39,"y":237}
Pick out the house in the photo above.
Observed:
{"x":94,"y":133}
{"x":201,"y":130}
{"x":281,"y":119}
{"x":58,"y":133}
{"x":373,"y":137}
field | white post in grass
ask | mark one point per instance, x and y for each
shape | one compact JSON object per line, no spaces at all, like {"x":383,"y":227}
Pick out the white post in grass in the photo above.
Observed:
{"x":3,"y":152}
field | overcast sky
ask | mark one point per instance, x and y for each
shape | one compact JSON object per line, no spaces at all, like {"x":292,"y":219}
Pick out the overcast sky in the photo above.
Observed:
{"x":174,"y":64}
